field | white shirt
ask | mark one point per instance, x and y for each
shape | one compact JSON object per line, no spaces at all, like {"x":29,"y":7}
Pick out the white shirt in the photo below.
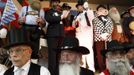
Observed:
{"x":31,"y":19}
{"x":3,"y":68}
{"x":43,"y":70}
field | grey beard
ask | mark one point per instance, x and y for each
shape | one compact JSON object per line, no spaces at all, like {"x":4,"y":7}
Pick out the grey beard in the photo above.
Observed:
{"x":119,"y":67}
{"x":69,"y":69}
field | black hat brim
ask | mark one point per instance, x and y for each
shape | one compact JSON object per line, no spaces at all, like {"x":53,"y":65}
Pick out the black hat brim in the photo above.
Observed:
{"x":105,"y":51}
{"x":80,"y":49}
{"x":18,"y":44}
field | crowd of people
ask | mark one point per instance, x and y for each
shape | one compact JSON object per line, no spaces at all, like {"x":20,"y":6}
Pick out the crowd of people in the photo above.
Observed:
{"x":77,"y":44}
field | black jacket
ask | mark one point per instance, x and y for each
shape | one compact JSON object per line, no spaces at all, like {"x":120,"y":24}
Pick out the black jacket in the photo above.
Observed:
{"x":34,"y":70}
{"x":126,"y":28}
{"x":55,"y":27}
{"x":85,"y":71}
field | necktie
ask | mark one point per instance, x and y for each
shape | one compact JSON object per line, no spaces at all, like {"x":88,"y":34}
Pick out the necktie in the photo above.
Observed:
{"x":20,"y":72}
{"x":87,"y":20}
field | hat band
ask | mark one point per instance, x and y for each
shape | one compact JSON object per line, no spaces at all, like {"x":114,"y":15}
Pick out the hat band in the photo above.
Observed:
{"x":66,"y":47}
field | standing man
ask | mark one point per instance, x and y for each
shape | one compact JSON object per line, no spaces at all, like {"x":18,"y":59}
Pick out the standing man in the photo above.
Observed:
{"x":54,"y":34}
{"x":84,"y":33}
{"x":103,"y":28}
{"x":31,"y":17}
{"x":70,"y":57}
{"x":20,"y":55}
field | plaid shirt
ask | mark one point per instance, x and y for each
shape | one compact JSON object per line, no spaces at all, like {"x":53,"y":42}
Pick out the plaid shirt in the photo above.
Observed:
{"x":100,"y":27}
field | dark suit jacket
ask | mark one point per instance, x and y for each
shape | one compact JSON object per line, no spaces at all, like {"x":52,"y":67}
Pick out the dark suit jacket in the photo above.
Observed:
{"x":55,"y":27}
{"x":85,"y":71}
{"x":126,"y":28}
{"x":34,"y":70}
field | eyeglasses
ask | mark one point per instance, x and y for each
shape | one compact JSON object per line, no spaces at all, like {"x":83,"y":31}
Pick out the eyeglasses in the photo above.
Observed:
{"x":16,"y":50}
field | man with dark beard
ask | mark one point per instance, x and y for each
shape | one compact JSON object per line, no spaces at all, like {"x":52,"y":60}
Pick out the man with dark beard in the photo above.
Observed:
{"x":116,"y":63}
{"x":70,"y":56}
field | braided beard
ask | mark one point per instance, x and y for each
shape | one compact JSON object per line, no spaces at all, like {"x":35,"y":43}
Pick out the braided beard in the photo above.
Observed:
{"x":69,"y":69}
{"x":118,"y":67}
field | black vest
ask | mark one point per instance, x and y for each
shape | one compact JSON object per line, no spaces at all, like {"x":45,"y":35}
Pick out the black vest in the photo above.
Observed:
{"x":34,"y":70}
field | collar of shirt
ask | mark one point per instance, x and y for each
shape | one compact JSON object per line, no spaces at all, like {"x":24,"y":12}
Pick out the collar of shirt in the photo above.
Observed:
{"x":25,"y":67}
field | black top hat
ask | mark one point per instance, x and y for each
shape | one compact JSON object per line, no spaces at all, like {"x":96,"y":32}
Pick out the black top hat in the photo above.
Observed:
{"x":72,"y":44}
{"x":100,"y":6}
{"x":65,"y":5}
{"x":112,"y":46}
{"x":130,"y":8}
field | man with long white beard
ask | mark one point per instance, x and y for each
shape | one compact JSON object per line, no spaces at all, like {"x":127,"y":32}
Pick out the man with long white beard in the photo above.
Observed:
{"x":116,"y":63}
{"x":70,"y":56}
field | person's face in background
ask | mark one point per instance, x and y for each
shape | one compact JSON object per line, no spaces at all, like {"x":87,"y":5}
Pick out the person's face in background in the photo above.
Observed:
{"x":117,"y":63}
{"x":131,"y":11}
{"x":80,"y":8}
{"x":19,"y":55}
{"x":54,"y":4}
{"x":130,"y":56}
{"x":102,"y":11}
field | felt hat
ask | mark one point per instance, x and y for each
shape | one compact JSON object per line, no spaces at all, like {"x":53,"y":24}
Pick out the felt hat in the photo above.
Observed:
{"x":112,"y":46}
{"x":72,"y":44}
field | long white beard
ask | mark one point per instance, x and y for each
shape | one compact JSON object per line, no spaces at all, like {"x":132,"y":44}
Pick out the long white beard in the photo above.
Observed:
{"x":69,"y":69}
{"x":118,"y":67}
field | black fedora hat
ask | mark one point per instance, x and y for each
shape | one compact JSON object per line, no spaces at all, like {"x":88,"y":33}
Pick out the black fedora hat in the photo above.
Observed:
{"x":112,"y":46}
{"x":72,"y":44}
{"x":65,"y":5}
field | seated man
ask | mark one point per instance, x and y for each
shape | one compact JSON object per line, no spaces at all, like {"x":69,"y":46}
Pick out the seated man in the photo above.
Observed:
{"x":20,"y":55}
{"x":116,"y":63}
{"x":71,"y":54}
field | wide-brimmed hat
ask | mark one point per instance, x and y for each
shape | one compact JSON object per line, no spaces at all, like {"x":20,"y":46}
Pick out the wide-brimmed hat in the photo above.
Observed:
{"x":18,"y":44}
{"x":112,"y":46}
{"x":72,"y":44}
{"x":65,"y":5}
